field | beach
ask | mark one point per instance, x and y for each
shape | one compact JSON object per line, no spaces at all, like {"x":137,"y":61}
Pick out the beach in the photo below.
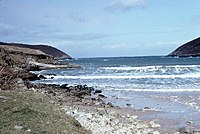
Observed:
{"x":107,"y":95}
{"x":160,"y":89}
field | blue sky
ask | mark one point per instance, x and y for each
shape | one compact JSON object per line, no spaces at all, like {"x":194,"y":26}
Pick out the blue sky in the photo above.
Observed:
{"x":100,"y":28}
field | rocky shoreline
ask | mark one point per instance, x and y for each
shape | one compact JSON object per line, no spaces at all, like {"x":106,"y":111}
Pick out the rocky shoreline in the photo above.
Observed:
{"x":87,"y":106}
{"x":84,"y":103}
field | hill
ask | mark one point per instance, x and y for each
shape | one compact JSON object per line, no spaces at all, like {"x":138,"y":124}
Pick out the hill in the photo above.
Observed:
{"x":44,"y":48}
{"x":189,"y":49}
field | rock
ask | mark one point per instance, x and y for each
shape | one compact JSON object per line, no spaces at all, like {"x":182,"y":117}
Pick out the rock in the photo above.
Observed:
{"x":42,"y":77}
{"x":196,"y":131}
{"x":190,"y":122}
{"x":154,"y":125}
{"x":156,"y":132}
{"x":110,"y":104}
{"x":29,"y":67}
{"x":184,"y":130}
{"x":101,"y":96}
{"x":18,"y":127}
{"x":27,"y":76}
{"x":28,"y":130}
{"x":146,"y":108}
{"x":4,"y":98}
{"x":133,"y":118}
{"x":128,"y":104}
{"x":64,"y":86}
{"x":97,"y":91}
{"x":50,"y":92}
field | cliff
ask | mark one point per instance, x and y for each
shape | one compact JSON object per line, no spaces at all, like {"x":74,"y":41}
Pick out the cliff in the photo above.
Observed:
{"x":44,"y":48}
{"x":190,"y":49}
{"x":29,"y":59}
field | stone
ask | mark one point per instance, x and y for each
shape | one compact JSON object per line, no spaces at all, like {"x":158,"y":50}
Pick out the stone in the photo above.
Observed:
{"x":146,"y":108}
{"x":97,"y":91}
{"x":154,"y":125}
{"x":110,"y":104}
{"x":128,"y":104}
{"x":50,"y":92}
{"x":42,"y":77}
{"x":4,"y":98}
{"x":64,"y":86}
{"x":156,"y":132}
{"x":190,"y":122}
{"x":18,"y":127}
{"x":29,"y":130}
{"x":101,"y":96}
{"x":196,"y":131}
{"x":184,"y":130}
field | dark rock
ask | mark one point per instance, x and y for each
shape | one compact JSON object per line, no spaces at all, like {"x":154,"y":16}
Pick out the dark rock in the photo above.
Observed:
{"x":64,"y":86}
{"x":110,"y":104}
{"x":50,"y":74}
{"x":91,"y":88}
{"x":97,"y":91}
{"x":128,"y":104}
{"x":189,"y":49}
{"x":31,"y":67}
{"x":50,"y":92}
{"x":147,"y":108}
{"x":72,"y":88}
{"x":101,"y":96}
{"x":42,"y":77}
{"x":184,"y":130}
{"x":93,"y":99}
{"x":80,"y":87}
{"x":27,"y":76}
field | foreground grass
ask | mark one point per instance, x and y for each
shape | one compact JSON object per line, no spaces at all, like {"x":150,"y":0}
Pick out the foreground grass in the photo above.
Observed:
{"x":23,"y":112}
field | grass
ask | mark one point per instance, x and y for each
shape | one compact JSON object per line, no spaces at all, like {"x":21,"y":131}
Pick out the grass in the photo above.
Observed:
{"x":34,"y":114}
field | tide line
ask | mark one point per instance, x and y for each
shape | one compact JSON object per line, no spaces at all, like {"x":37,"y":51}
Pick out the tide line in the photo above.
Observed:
{"x":127,"y":77}
{"x":159,"y":90}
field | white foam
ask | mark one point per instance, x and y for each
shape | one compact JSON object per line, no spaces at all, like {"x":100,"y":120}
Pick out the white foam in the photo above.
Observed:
{"x":159,"y":90}
{"x":128,"y":77}
{"x":130,"y":68}
{"x":150,"y":67}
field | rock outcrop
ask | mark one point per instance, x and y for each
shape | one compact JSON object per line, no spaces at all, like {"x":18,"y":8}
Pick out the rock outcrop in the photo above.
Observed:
{"x":44,"y":48}
{"x":28,"y":59}
{"x":17,"y":62}
{"x":190,"y":49}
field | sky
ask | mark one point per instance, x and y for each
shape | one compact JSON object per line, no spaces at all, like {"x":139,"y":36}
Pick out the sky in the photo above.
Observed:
{"x":101,"y":28}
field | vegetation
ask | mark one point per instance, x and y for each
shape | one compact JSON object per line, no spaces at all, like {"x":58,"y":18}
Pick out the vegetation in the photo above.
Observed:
{"x":25,"y":112}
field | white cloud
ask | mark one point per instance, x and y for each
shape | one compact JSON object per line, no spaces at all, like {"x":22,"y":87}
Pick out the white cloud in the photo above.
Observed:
{"x":126,"y":4}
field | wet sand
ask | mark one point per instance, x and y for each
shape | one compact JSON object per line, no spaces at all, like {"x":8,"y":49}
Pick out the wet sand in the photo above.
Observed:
{"x":172,"y":110}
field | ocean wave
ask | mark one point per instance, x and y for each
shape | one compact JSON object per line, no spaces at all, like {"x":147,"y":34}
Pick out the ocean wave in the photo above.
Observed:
{"x":128,"y":77}
{"x":158,"y":90}
{"x":127,"y":68}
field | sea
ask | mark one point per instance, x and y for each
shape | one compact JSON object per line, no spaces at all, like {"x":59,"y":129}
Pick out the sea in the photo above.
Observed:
{"x":170,"y":85}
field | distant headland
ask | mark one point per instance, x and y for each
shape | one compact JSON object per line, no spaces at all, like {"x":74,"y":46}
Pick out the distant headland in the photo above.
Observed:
{"x":44,"y":48}
{"x":189,"y":49}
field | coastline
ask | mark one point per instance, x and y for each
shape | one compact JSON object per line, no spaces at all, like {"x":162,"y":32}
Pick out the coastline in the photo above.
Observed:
{"x":94,"y":112}
{"x":86,"y":104}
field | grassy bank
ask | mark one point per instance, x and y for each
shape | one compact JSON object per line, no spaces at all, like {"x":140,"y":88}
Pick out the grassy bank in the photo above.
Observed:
{"x":25,"y":112}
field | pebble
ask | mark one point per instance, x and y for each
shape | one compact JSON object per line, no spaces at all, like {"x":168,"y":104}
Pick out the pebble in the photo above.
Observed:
{"x":156,"y":132}
{"x":18,"y":127}
{"x":106,"y":121}
{"x":128,"y":104}
{"x":184,"y":130}
{"x":190,"y":123}
{"x":154,"y":125}
{"x":29,"y":130}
